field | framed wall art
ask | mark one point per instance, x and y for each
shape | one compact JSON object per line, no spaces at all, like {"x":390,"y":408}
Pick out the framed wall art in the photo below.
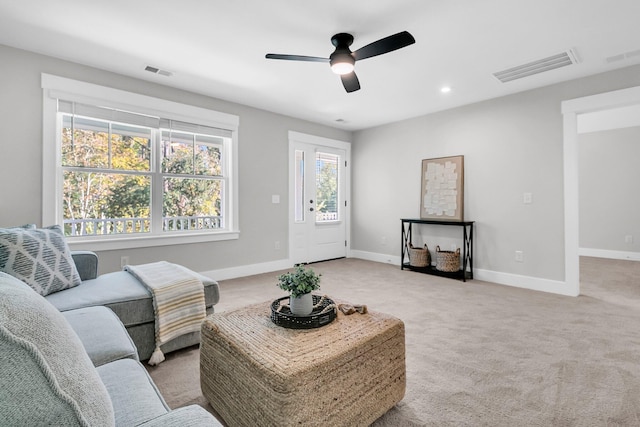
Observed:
{"x":442,"y":189}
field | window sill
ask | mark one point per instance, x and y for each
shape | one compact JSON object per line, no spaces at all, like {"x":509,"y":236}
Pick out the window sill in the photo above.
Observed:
{"x":92,"y":243}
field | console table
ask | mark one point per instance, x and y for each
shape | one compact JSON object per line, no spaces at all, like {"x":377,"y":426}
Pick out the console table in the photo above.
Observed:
{"x":467,"y":248}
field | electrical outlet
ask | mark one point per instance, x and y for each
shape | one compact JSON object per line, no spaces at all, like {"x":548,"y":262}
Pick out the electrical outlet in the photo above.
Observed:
{"x":276,"y":245}
{"x":124,"y":260}
{"x":519,"y":256}
{"x":383,"y":240}
{"x":628,"y":238}
{"x":527,"y":198}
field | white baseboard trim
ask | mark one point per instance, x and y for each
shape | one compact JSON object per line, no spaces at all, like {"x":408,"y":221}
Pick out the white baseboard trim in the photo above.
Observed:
{"x":248,"y":270}
{"x":376,"y":257}
{"x":507,"y":279}
{"x":525,"y":282}
{"x":605,"y":253}
{"x":283,"y":264}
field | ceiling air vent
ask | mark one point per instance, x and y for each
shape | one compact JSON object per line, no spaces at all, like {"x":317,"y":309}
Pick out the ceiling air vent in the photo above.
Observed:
{"x":626,"y":55}
{"x":536,"y":67}
{"x":155,"y":70}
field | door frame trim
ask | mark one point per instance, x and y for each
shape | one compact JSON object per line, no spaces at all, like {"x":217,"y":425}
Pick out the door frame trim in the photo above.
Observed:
{"x":571,"y":111}
{"x":325,"y":142}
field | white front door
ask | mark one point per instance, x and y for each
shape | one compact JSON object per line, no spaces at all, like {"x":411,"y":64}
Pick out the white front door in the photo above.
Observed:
{"x":317,"y":198}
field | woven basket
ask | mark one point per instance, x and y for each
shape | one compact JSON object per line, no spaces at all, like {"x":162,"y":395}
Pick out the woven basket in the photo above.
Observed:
{"x":419,"y":257}
{"x":447,"y":260}
{"x":321,"y":315}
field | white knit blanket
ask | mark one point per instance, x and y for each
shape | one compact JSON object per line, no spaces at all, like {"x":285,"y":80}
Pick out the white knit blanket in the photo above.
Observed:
{"x":178,"y":301}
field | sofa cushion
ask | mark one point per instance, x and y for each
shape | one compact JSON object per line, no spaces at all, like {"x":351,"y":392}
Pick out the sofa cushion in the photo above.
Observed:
{"x":39,"y":257}
{"x":123,"y":294}
{"x":119,"y":291}
{"x":134,"y":395}
{"x":45,"y":369}
{"x":102,"y":334}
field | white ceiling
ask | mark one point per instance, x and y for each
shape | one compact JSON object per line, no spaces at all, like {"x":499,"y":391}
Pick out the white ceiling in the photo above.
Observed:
{"x":217,"y":47}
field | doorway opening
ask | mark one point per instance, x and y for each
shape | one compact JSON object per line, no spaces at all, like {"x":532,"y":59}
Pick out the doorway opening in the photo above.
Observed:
{"x":575,"y":113}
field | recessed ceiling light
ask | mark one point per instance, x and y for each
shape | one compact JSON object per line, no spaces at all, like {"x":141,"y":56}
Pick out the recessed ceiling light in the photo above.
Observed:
{"x":445,"y":89}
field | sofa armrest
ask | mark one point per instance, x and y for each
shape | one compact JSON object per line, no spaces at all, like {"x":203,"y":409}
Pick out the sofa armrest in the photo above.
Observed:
{"x":188,"y":416}
{"x":86,"y":263}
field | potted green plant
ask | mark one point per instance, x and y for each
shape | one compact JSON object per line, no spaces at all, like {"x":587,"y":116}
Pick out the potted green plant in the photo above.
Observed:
{"x":299,"y":284}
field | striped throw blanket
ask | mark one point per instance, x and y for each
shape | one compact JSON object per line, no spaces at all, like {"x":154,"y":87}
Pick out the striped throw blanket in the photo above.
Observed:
{"x":178,"y":301}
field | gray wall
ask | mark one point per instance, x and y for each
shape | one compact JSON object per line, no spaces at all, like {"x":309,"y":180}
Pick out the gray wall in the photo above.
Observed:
{"x":511,"y":145}
{"x":263,"y":165}
{"x":609,"y":197}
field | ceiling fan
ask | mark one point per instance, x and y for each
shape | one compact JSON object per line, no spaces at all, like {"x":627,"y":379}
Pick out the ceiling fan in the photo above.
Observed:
{"x":342,"y":60}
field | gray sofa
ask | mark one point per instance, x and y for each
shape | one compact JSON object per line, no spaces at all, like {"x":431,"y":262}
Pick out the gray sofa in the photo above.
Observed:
{"x":79,"y":367}
{"x":128,"y":298}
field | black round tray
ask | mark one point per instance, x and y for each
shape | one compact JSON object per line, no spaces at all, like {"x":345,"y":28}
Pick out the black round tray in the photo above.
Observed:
{"x":286,"y":319}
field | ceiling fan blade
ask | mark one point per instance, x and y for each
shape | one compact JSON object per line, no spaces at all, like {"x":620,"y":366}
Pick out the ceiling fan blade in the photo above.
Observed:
{"x":350,"y":82}
{"x":385,"y":45}
{"x":296,"y":57}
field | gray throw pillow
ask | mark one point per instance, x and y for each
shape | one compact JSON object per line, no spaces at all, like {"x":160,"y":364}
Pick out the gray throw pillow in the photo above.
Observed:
{"x":40,"y":257}
{"x":26,"y":226}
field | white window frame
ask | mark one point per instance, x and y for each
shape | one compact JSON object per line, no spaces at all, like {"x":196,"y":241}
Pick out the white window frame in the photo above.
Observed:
{"x":55,"y":87}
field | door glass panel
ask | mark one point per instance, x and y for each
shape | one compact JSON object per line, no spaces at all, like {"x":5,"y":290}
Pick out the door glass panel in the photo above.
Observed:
{"x":299,"y":183}
{"x":326,"y":187}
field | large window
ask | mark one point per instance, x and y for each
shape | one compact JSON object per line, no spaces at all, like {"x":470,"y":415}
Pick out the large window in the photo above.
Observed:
{"x":137,"y":172}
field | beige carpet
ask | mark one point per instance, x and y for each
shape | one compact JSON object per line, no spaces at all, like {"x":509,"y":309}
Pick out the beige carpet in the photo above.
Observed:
{"x":479,"y":354}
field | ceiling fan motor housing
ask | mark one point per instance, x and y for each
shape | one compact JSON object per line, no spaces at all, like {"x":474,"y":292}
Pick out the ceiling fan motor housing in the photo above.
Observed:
{"x":342,"y":40}
{"x":342,"y":54}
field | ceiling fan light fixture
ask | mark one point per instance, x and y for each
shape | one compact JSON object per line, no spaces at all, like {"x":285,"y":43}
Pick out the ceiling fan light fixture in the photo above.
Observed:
{"x":342,"y":68}
{"x":342,"y":63}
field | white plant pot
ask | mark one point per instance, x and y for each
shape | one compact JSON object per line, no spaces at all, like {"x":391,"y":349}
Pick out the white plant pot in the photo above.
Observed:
{"x":302,"y":305}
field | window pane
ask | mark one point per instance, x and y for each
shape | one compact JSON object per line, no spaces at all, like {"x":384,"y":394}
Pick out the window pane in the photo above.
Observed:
{"x":299,"y":185}
{"x":130,"y":148}
{"x":327,"y":187}
{"x":177,"y":152}
{"x":192,"y":204}
{"x":101,"y":203}
{"x":208,"y":155}
{"x":85,"y":142}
